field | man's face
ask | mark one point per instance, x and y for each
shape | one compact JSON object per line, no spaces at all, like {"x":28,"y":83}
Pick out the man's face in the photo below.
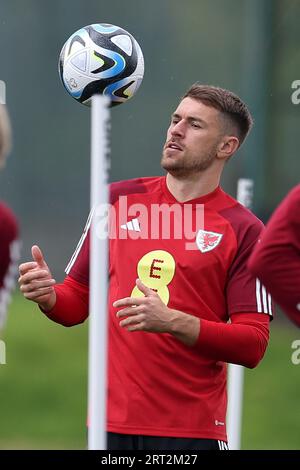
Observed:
{"x":192,"y":138}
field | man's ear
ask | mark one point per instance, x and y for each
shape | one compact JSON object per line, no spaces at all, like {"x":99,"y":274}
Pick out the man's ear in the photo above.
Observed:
{"x":227,"y":147}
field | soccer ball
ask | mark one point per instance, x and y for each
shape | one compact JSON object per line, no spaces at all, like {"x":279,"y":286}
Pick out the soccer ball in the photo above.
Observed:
{"x":101,"y":59}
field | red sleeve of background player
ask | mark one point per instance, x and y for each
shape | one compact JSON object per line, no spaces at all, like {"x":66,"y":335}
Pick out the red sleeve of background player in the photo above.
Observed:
{"x":8,"y":233}
{"x":276,"y":259}
{"x":9,"y":256}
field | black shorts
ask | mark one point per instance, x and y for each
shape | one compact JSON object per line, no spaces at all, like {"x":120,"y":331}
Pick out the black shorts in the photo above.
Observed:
{"x":117,"y":441}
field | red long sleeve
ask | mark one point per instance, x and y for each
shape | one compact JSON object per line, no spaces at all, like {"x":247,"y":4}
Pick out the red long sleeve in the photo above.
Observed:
{"x":276,"y":259}
{"x":72,"y":300}
{"x":243,"y":341}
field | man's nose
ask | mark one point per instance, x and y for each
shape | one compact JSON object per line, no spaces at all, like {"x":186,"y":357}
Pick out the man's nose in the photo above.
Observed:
{"x":178,"y":129}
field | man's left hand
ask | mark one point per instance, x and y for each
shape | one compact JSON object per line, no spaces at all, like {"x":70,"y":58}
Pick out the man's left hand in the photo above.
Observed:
{"x":147,"y":313}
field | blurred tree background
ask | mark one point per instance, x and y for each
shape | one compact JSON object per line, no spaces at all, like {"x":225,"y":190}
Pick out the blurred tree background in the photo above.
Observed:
{"x":248,"y":46}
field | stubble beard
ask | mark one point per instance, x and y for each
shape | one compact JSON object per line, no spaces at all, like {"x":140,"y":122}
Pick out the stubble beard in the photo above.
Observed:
{"x":183,"y":167}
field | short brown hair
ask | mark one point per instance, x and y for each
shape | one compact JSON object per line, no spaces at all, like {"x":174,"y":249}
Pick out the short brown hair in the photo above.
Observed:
{"x":233,"y":109}
{"x":5,"y":134}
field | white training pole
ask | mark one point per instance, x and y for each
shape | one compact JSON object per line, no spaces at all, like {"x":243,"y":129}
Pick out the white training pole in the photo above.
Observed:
{"x":236,"y":372}
{"x":98,"y":276}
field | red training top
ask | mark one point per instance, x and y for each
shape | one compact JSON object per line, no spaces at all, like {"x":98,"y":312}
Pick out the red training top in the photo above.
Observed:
{"x":157,"y":385}
{"x":9,"y":257}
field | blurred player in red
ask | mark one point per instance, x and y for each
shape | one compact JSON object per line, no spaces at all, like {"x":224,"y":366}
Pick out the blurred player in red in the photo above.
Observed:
{"x":276,"y":259}
{"x":9,"y":243}
{"x":169,"y":331}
